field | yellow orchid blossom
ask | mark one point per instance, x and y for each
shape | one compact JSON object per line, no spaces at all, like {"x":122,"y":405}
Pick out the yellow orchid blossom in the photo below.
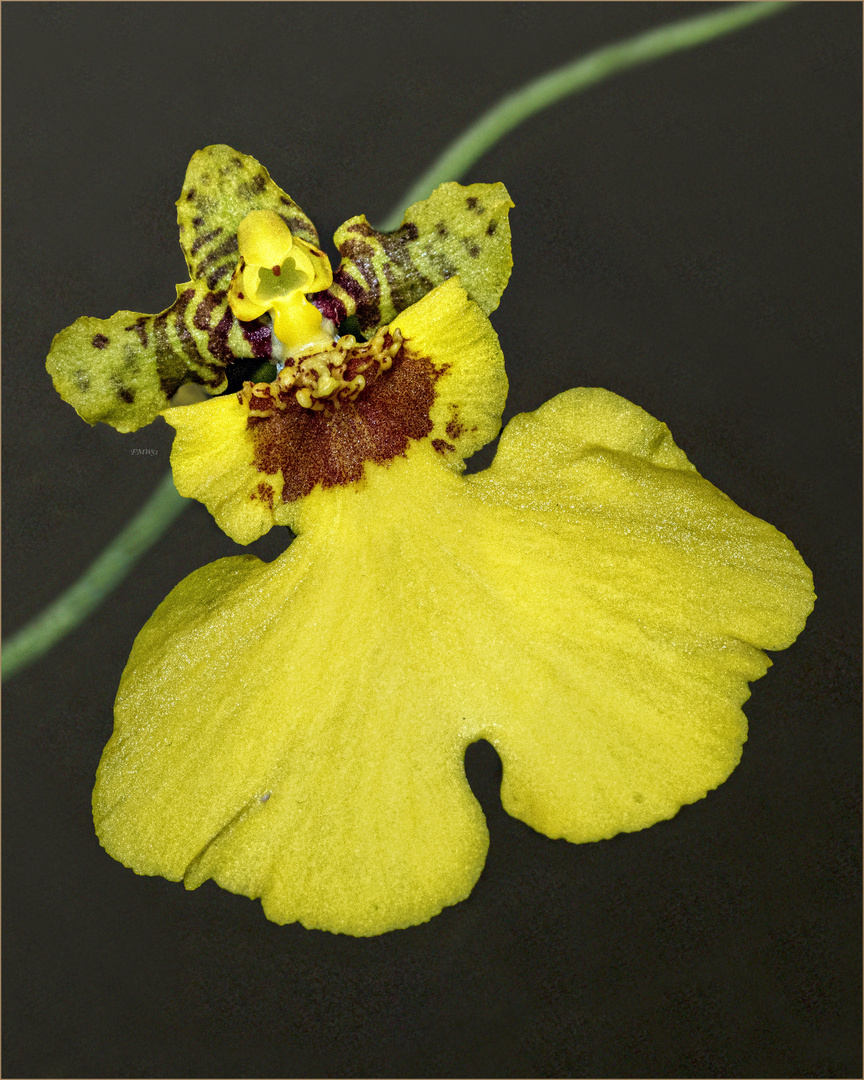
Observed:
{"x":589,"y":604}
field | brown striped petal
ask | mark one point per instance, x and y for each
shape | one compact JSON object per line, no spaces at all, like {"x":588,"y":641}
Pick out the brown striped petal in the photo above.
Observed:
{"x":457,"y":230}
{"x":124,"y":370}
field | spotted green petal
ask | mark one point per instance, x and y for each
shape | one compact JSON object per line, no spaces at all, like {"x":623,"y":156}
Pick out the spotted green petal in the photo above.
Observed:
{"x":457,"y":230}
{"x":124,"y":370}
{"x":590,"y":605}
{"x":221,"y":187}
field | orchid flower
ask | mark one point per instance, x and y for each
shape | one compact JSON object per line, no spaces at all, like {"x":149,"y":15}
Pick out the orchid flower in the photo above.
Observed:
{"x":589,"y":604}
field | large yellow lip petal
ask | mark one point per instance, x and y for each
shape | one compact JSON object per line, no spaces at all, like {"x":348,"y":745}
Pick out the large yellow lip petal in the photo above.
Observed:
{"x":590,"y":605}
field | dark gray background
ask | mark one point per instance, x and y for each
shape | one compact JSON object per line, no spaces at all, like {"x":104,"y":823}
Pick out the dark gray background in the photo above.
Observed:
{"x":686,"y":235}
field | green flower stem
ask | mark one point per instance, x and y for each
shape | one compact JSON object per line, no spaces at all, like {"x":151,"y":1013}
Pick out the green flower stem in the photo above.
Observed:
{"x":164,"y":505}
{"x":578,"y":75}
{"x":106,"y":572}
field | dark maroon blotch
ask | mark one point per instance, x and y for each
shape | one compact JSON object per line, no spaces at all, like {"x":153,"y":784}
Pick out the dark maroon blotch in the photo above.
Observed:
{"x":259,"y":337}
{"x":100,"y":341}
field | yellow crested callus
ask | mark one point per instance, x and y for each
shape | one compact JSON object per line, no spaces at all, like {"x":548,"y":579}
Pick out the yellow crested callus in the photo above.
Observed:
{"x":252,"y":457}
{"x":275,"y":271}
{"x":589,"y":604}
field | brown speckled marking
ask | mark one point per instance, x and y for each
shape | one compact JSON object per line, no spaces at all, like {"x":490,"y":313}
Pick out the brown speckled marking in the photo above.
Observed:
{"x":454,"y":429}
{"x":442,"y":447}
{"x":331,"y":447}
{"x":99,"y":341}
{"x":265,"y":494}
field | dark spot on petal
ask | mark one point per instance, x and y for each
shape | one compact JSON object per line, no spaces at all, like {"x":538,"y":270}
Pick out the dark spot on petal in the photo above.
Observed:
{"x":454,"y":429}
{"x":276,"y":271}
{"x":471,"y":201}
{"x":190,"y":195}
{"x":241,"y":296}
{"x":259,"y":337}
{"x":473,"y":251}
{"x":125,"y":394}
{"x":330,"y":447}
{"x":441,"y":228}
{"x":99,"y":341}
{"x":331,"y":307}
{"x":491,"y":227}
{"x":265,"y":494}
{"x":198,"y":222}
{"x":442,"y":447}
{"x":259,"y":183}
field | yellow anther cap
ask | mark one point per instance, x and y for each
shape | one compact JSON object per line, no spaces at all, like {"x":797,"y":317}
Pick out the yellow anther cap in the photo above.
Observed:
{"x":275,"y":271}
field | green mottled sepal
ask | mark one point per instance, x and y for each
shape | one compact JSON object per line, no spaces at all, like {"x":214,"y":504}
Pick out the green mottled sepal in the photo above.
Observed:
{"x":124,"y":370}
{"x":221,"y":187}
{"x":457,"y":230}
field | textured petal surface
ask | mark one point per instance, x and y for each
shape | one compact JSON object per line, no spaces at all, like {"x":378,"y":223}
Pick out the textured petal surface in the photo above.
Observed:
{"x":447,"y":387}
{"x":659,"y":594}
{"x":221,"y":187}
{"x":123,"y":370}
{"x":590,"y":605}
{"x":457,"y":230}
